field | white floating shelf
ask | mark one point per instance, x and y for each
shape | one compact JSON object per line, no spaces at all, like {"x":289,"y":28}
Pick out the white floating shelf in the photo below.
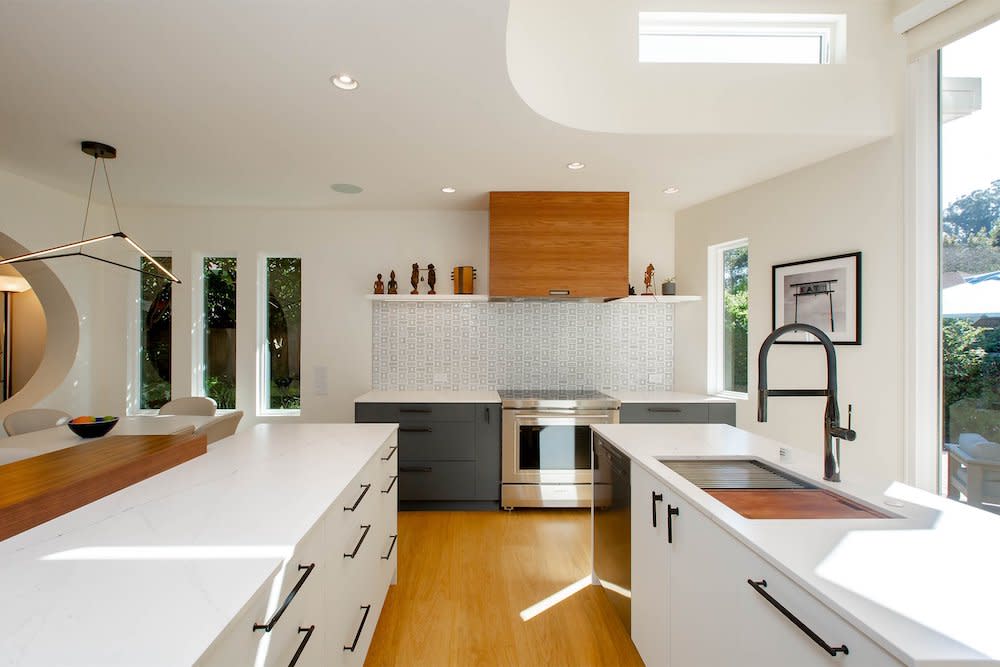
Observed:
{"x":427,"y":297}
{"x":658,"y":298}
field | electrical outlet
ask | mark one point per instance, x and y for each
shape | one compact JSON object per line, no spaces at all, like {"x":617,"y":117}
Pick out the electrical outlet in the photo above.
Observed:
{"x":655,"y":378}
{"x":440,"y":378}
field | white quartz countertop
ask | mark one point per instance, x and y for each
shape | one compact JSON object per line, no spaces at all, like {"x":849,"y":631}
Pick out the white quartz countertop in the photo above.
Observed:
{"x":429,"y":396}
{"x":666,"y":397}
{"x":924,"y":586}
{"x":150,"y":575}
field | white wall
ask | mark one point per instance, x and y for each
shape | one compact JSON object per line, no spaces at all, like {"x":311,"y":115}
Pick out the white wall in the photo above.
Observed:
{"x":848,"y":203}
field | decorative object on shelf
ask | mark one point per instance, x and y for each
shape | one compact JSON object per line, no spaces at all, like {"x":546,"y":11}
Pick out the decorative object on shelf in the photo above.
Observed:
{"x":669,"y":287}
{"x":631,"y":291}
{"x":102,"y":152}
{"x":463,"y":277}
{"x":431,"y":278}
{"x":415,"y":278}
{"x":648,"y":281}
{"x":393,"y":285}
{"x":823,"y":292}
{"x":379,"y":285}
{"x":9,"y":285}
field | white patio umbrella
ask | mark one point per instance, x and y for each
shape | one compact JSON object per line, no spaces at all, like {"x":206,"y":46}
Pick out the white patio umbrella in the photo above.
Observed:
{"x":978,"y":296}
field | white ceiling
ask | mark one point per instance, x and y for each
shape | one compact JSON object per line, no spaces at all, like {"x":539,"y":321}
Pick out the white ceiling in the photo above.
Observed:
{"x":228,"y":103}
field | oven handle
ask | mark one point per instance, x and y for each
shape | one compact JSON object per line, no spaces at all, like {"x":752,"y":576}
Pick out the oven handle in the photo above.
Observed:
{"x":575,"y":419}
{"x":561,"y":412}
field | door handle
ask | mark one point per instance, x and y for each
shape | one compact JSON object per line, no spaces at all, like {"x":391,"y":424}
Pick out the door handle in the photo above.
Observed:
{"x":657,"y":498}
{"x":759,"y":586}
{"x":671,"y":513}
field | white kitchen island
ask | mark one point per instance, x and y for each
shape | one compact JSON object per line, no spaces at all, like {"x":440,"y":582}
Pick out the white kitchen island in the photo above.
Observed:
{"x":920,"y":589}
{"x":176,"y":570}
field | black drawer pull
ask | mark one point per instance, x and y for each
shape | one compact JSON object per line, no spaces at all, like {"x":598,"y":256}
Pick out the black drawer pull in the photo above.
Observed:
{"x":415,"y":469}
{"x":392,"y":450}
{"x":671,"y":513}
{"x":657,"y":497}
{"x":487,"y":415}
{"x":670,"y":410}
{"x":419,"y":411}
{"x":364,"y":619}
{"x":759,"y":586}
{"x":392,"y":483}
{"x":392,"y":545}
{"x":360,"y":542}
{"x":357,"y":502}
{"x":415,"y":429}
{"x":302,"y":645}
{"x":288,"y":600}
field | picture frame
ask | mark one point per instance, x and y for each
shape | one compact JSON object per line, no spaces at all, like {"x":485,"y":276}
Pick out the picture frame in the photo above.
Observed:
{"x":824,"y":292}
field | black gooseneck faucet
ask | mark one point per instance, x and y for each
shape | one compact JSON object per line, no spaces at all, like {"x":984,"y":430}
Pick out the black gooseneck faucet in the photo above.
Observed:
{"x":831,"y":421}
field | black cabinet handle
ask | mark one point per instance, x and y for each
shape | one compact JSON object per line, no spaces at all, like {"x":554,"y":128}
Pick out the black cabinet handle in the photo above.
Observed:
{"x":360,"y":542}
{"x":657,"y":498}
{"x":759,"y":586}
{"x":418,"y":411}
{"x":357,"y":502}
{"x":392,"y":483}
{"x":415,"y":469}
{"x":671,"y":410}
{"x":357,"y":636}
{"x":671,"y":513}
{"x":487,"y":415}
{"x":392,"y":545}
{"x":392,"y":450}
{"x":267,"y":627}
{"x":415,"y":429}
{"x":302,"y":645}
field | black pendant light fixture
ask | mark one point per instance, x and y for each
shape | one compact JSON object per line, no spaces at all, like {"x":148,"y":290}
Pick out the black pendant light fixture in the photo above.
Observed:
{"x":100,"y":152}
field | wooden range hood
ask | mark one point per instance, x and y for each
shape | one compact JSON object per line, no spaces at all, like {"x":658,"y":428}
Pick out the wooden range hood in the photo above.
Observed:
{"x":558,"y":245}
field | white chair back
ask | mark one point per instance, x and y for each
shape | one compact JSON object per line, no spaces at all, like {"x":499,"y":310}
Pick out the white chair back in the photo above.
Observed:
{"x":199,"y":406}
{"x":221,"y":427}
{"x":36,"y":419}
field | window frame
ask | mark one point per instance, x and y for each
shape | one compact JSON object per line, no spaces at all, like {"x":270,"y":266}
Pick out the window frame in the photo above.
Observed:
{"x":716,"y":380}
{"x":133,"y":402}
{"x":263,"y":356}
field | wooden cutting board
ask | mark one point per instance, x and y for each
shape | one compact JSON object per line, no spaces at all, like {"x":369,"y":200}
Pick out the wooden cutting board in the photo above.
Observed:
{"x":35,"y":490}
{"x":792,"y":504}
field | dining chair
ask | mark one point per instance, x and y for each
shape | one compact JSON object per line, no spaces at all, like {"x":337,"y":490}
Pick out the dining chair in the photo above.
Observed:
{"x":200,"y":406}
{"x":221,"y":427}
{"x":35,"y":419}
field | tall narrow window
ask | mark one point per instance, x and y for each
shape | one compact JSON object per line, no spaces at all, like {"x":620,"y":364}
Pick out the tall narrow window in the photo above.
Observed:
{"x":219,"y":354}
{"x":154,"y":336}
{"x":281,"y":349}
{"x":728,"y":309}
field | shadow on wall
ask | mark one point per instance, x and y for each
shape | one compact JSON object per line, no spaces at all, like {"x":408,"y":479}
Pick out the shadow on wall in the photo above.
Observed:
{"x":62,"y":330}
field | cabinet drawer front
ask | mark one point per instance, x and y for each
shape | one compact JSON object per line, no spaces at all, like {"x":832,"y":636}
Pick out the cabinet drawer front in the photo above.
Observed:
{"x":409,"y":412}
{"x":664,"y":413}
{"x":437,"y":480}
{"x":440,"y":441}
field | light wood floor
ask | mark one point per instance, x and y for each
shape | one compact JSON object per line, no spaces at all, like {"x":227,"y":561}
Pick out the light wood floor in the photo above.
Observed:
{"x":464,"y":579}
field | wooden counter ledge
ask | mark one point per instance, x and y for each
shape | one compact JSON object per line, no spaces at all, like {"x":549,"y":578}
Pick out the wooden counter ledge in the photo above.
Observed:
{"x":35,"y":490}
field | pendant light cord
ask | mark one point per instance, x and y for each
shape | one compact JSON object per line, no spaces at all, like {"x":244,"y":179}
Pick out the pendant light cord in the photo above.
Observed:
{"x":90,"y":195}
{"x":107,"y":179}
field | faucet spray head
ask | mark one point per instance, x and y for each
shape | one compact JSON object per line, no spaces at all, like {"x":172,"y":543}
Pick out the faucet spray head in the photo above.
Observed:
{"x":762,"y":405}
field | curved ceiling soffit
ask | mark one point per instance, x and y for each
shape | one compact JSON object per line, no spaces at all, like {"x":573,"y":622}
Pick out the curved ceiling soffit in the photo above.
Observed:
{"x":62,"y":330}
{"x":574,"y":62}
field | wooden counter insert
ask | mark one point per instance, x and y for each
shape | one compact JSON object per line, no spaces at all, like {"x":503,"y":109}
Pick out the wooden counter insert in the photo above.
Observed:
{"x":35,"y":490}
{"x":793,"y":504}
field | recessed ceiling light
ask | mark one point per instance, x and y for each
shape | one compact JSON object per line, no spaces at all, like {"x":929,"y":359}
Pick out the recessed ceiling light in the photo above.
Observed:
{"x":344,"y":81}
{"x":346,"y":188}
{"x":575,"y":166}
{"x":672,"y":190}
{"x":447,"y":189}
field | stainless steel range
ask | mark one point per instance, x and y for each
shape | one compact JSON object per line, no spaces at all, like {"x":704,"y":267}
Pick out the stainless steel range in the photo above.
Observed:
{"x":546,"y":445}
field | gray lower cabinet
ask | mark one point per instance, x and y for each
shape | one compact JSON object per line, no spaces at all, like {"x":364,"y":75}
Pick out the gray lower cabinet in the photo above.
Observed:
{"x":678,"y":413}
{"x":449,"y":453}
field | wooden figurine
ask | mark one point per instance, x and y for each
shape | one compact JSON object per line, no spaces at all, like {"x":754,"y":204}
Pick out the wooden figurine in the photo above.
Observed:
{"x":379,"y":285}
{"x":415,"y":278}
{"x":393,"y":285}
{"x":431,"y":278}
{"x":648,"y":281}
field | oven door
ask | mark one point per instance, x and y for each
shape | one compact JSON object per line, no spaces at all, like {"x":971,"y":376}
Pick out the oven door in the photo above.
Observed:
{"x":550,"y":446}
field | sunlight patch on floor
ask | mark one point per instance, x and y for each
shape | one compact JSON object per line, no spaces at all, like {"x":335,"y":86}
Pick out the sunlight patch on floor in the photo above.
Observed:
{"x":555,"y":598}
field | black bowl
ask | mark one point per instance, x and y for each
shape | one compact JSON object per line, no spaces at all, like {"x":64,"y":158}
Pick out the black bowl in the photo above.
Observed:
{"x":93,"y":429}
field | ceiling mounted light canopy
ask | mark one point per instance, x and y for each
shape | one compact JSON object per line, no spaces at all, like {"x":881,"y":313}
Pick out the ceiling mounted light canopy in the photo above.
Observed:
{"x":575,"y":166}
{"x":344,"y":81}
{"x":100,"y":152}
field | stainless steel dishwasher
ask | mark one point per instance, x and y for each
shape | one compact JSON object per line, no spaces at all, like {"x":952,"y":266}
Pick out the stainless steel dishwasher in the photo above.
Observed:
{"x":612,"y":526}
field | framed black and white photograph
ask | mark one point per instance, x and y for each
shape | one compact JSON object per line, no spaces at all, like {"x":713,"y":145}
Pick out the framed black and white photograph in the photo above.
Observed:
{"x":824,"y":292}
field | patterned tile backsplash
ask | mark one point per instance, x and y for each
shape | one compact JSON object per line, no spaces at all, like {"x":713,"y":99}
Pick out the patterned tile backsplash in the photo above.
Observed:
{"x":522,"y":345}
